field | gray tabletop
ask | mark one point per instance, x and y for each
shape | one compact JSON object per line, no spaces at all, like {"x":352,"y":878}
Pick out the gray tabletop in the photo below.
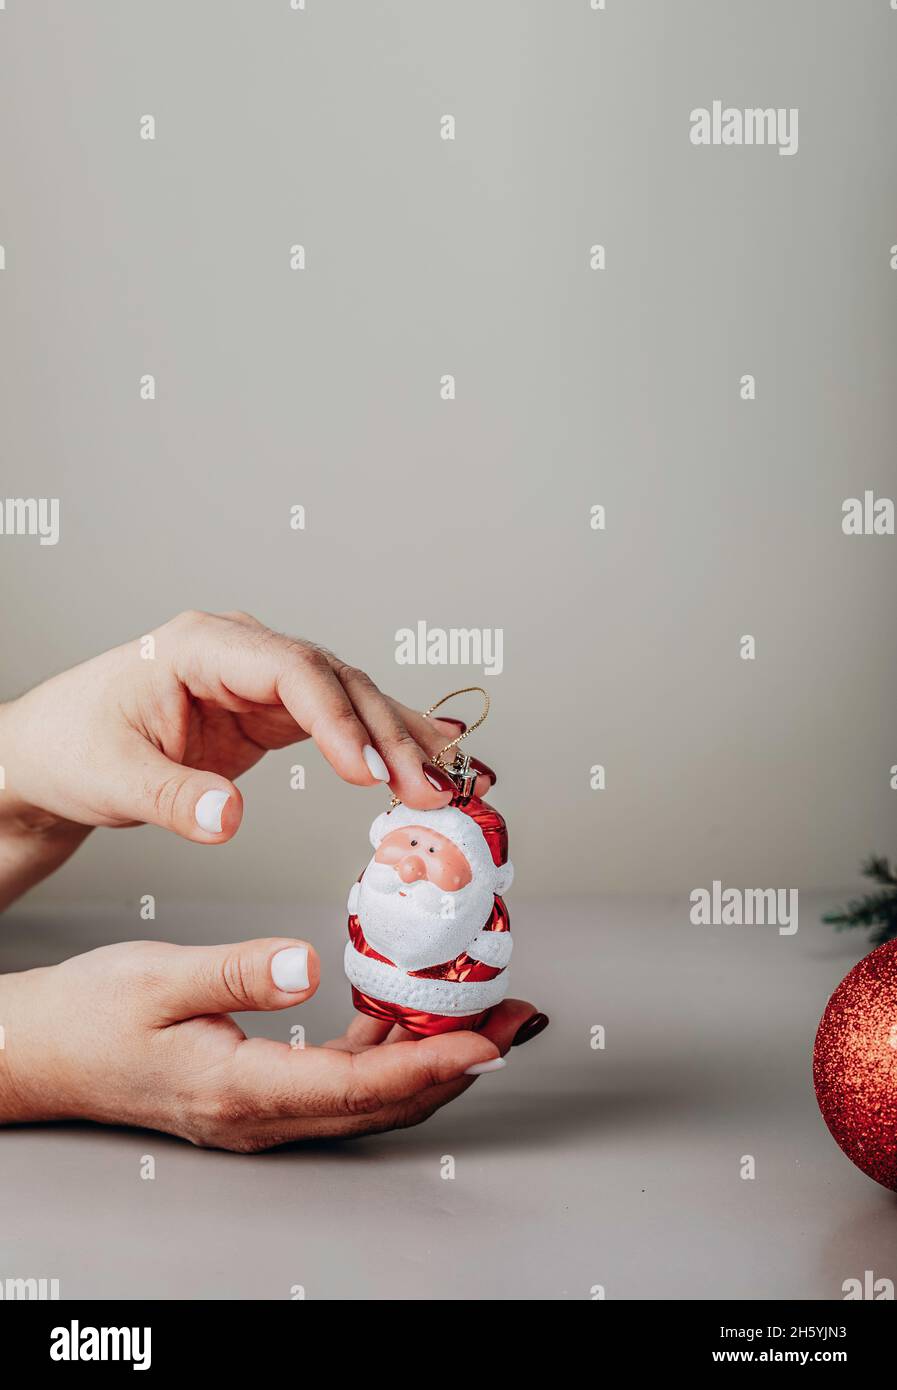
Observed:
{"x":575,"y":1167}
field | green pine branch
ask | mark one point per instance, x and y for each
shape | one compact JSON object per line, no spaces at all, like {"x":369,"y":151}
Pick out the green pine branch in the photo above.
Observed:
{"x":877,"y":910}
{"x":879,"y":870}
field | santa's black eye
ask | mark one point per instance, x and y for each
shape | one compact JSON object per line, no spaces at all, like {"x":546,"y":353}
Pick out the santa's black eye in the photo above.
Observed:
{"x":414,"y":842}
{"x":432,"y":850}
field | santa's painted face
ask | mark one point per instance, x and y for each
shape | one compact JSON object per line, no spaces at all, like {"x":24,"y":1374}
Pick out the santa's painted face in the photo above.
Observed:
{"x":418,"y":902}
{"x":417,"y":853}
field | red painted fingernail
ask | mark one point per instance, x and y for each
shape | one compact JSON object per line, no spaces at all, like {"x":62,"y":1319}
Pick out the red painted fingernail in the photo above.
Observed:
{"x":484,"y":769}
{"x":531,"y":1029}
{"x":458,"y":723}
{"x":438,"y":778}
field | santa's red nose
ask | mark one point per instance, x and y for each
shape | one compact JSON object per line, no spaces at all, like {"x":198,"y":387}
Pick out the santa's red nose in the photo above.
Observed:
{"x":411,"y":868}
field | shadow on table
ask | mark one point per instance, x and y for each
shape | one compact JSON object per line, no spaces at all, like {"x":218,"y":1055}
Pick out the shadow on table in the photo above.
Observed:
{"x":536,"y":1121}
{"x":558,"y":1107}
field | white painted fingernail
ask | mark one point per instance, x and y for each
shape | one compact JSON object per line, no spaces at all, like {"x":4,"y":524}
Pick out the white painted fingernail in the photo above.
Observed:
{"x":289,"y":969}
{"x":376,"y":766}
{"x":479,"y":1067}
{"x":209,"y":810}
{"x":433,"y":782}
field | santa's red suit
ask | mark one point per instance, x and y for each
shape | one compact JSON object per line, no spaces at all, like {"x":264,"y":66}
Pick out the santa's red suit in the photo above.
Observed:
{"x":456,"y":993}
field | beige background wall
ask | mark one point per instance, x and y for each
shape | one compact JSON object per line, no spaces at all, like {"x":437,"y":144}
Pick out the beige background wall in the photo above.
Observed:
{"x":574,"y":387}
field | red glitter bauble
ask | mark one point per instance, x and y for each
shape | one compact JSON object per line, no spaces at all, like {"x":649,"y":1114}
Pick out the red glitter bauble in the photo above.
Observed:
{"x":855,"y":1065}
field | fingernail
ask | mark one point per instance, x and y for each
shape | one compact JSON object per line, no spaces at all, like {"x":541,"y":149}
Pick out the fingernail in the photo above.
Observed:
{"x":531,"y":1029}
{"x":438,"y":778}
{"x":458,"y":723}
{"x":289,"y":969}
{"x":484,"y":769}
{"x":479,"y":1068}
{"x":209,"y":809}
{"x":376,"y":766}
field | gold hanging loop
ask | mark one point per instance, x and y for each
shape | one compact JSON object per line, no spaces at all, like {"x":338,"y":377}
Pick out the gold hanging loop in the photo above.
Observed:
{"x":465,"y":690}
{"x":459,"y":769}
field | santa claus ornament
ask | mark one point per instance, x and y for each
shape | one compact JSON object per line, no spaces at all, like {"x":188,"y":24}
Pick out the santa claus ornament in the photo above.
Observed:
{"x":429,"y":934}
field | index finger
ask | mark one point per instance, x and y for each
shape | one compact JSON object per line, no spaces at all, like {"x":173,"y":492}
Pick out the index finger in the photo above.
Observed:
{"x":230,"y":661}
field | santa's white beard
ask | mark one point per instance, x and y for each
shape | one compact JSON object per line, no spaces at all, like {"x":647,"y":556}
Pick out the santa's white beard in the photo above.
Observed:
{"x":428,"y":926}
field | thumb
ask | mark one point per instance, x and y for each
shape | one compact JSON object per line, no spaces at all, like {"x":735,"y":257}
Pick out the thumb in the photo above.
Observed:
{"x":200,"y":806}
{"x":273,"y":973}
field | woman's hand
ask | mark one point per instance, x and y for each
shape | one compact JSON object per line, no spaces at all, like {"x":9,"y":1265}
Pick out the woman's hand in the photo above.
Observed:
{"x":139,"y":1034}
{"x":157,"y":730}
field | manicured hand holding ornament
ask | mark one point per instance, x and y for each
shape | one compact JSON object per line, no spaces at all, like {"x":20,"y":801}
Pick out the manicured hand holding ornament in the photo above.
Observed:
{"x":429,"y":934}
{"x":141,"y":1032}
{"x":156,"y":730}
